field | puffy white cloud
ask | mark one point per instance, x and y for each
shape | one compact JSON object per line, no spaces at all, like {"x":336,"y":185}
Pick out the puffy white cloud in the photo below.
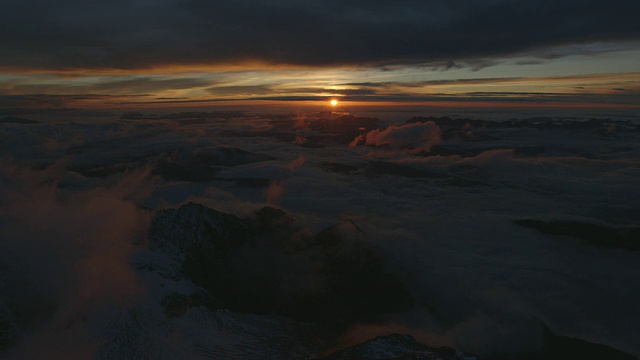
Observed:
{"x":414,"y":138}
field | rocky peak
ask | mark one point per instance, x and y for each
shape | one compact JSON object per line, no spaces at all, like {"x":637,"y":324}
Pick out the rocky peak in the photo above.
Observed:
{"x":254,"y":266}
{"x":397,"y":347}
{"x":176,"y":231}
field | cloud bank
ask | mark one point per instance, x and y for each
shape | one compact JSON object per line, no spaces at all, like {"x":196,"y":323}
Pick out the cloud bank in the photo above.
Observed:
{"x":414,"y":138}
{"x":141,"y":34}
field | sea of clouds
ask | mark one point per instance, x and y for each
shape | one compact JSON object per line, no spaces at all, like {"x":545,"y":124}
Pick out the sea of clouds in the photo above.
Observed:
{"x":438,"y":201}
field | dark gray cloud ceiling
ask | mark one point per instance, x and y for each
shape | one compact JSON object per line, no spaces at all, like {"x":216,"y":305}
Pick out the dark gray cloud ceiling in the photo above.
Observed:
{"x":142,"y":33}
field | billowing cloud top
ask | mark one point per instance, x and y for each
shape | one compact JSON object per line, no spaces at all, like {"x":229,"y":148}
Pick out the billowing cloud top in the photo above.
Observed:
{"x":132,"y":34}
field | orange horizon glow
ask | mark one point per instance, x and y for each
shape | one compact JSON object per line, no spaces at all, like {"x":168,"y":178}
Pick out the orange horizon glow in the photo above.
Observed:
{"x":346,"y":104}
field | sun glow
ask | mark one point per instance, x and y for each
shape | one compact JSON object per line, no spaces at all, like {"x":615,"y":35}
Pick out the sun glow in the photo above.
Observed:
{"x":333,"y":102}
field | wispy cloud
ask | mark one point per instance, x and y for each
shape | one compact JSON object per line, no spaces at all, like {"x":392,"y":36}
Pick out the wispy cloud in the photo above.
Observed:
{"x":58,"y":101}
{"x":115,"y":85}
{"x":241,"y":90}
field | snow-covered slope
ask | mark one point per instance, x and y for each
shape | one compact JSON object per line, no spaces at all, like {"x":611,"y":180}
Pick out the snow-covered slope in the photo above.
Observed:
{"x":179,"y":319}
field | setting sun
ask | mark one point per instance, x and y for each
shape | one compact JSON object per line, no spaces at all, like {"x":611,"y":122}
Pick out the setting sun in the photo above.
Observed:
{"x":334,"y":102}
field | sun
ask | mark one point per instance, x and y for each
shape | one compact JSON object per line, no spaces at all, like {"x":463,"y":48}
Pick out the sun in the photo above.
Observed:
{"x":333,"y":102}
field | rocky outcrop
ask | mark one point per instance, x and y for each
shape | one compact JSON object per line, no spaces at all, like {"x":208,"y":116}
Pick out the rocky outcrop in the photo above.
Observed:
{"x":266,"y":264}
{"x":358,"y":286}
{"x":556,"y":347}
{"x":397,"y":347}
{"x":179,"y":232}
{"x":563,"y":347}
{"x":8,"y":328}
{"x":593,"y":234}
{"x":203,"y":165}
{"x":175,"y":304}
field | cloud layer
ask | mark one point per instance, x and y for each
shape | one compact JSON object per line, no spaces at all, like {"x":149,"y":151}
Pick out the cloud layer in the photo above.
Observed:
{"x":75,"y":196}
{"x":141,"y":34}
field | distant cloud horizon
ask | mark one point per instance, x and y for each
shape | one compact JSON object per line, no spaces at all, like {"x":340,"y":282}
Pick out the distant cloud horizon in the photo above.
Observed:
{"x":105,"y":55}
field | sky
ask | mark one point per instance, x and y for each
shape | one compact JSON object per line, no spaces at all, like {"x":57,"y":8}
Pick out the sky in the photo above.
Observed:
{"x":125,"y":54}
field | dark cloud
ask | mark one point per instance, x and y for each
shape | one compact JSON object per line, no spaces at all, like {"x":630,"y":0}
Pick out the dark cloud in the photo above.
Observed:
{"x":373,"y":84}
{"x":472,"y":81}
{"x":126,"y":34}
{"x":529,"y":62}
{"x":148,"y":84}
{"x":43,"y":101}
{"x":136,"y":85}
{"x":623,"y":98}
{"x":244,"y":90}
{"x":354,"y":91}
{"x":262,"y":90}
{"x":478,"y":81}
{"x":292,"y":98}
